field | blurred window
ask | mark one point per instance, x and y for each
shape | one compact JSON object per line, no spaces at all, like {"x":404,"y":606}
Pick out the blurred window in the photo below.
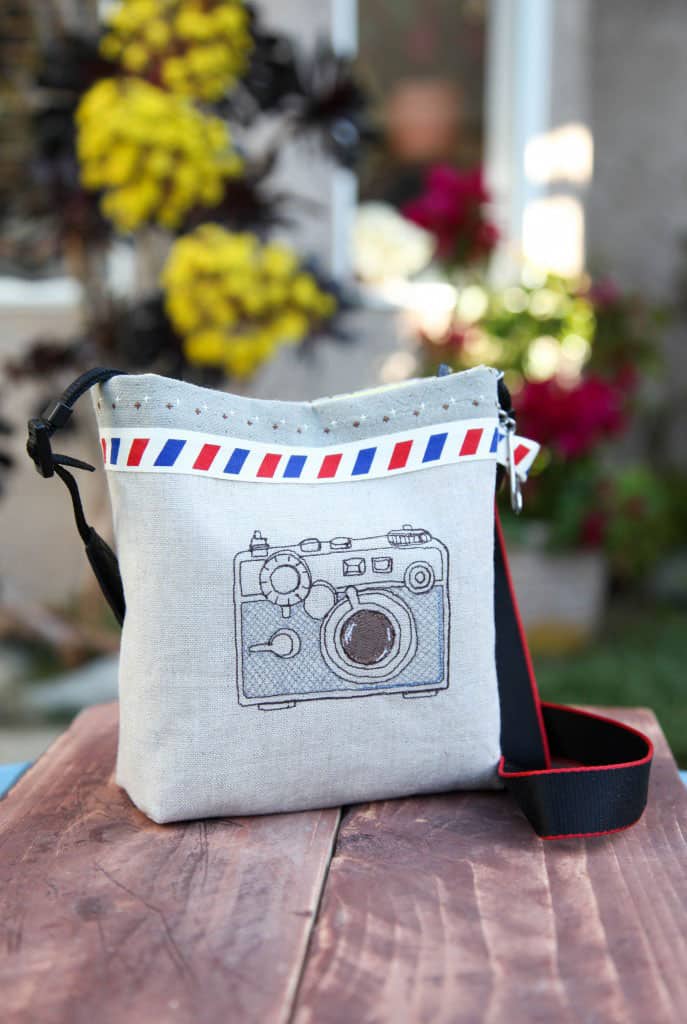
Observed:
{"x":423,"y":64}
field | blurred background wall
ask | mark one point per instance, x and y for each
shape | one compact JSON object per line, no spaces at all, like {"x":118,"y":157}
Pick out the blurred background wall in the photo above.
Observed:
{"x":637,"y":202}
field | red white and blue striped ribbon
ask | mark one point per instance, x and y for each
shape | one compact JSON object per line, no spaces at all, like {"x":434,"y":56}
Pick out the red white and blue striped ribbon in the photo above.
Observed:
{"x":168,"y":450}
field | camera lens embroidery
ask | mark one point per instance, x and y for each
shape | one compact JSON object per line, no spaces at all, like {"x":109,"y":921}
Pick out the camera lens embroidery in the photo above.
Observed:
{"x":367,"y":637}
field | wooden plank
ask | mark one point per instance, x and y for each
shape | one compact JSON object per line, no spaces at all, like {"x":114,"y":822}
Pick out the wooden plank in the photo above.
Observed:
{"x":105,"y":916}
{"x":449,"y":909}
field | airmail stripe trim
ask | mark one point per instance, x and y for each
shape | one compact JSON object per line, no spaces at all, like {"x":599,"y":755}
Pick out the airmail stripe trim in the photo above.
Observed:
{"x":157,"y":450}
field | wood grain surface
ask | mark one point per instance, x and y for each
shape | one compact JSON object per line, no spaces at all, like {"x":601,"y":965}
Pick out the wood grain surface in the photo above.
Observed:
{"x":435,"y":909}
{"x":449,"y":909}
{"x":107,"y":917}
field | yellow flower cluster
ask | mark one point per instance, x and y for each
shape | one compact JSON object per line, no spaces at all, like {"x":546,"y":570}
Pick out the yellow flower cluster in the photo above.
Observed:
{"x":235,"y":300}
{"x":194,"y":48}
{"x":153,"y":154}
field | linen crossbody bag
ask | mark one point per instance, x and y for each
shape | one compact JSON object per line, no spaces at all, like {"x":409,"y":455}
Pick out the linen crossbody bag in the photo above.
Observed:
{"x":317,"y":609}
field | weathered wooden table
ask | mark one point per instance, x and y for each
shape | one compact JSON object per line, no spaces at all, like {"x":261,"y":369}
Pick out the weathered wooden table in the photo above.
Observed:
{"x":441,"y":909}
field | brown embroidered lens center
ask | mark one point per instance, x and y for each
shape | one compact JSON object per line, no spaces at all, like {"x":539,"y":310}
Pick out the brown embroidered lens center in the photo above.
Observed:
{"x":367,"y":637}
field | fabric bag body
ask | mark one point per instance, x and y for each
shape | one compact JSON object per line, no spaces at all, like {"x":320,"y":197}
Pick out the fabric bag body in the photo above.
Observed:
{"x":310,"y":593}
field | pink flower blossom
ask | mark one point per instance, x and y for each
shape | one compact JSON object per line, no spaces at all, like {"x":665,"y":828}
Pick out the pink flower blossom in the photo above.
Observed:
{"x":451,"y":207}
{"x":571,"y":421}
{"x":604,"y":292}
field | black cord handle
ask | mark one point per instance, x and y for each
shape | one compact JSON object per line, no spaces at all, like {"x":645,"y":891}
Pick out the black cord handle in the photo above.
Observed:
{"x":48,"y":463}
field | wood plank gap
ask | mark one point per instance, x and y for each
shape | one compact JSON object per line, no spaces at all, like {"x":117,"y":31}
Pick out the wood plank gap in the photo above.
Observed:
{"x":449,"y":909}
{"x":292,"y":998}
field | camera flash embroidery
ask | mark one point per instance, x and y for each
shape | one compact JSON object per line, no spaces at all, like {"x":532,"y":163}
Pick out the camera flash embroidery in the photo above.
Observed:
{"x":342,"y":618}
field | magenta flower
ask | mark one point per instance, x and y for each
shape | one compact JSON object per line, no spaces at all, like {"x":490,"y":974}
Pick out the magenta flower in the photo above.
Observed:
{"x":452,"y":208}
{"x":571,"y":421}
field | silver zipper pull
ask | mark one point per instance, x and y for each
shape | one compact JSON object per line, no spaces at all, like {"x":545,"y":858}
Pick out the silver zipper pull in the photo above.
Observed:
{"x":508,"y":423}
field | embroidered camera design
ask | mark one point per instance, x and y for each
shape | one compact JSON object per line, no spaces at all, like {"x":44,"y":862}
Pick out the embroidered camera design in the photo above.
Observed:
{"x":341,"y":618}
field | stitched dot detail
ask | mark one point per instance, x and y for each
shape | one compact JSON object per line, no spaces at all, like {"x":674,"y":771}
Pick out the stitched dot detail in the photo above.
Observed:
{"x":275,"y":426}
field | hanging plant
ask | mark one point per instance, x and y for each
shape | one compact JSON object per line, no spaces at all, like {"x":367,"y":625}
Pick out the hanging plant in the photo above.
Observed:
{"x":152,"y":153}
{"x":235,"y":301}
{"x":189,"y":48}
{"x":133,"y":133}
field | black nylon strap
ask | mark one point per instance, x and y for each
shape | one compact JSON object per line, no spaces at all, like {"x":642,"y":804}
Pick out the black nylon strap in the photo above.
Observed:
{"x":606,"y":793}
{"x":41,"y":429}
{"x":607,"y":789}
{"x":523,"y":737}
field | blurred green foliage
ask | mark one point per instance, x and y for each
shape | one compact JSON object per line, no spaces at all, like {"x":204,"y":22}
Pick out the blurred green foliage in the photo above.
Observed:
{"x":632,"y":512}
{"x":639,"y":661}
{"x":576,"y":356}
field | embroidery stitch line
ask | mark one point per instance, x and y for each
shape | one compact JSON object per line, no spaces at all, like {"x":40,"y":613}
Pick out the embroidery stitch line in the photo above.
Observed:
{"x":165,"y":450}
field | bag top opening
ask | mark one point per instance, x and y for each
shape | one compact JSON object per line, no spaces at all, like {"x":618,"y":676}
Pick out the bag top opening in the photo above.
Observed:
{"x":148,"y":400}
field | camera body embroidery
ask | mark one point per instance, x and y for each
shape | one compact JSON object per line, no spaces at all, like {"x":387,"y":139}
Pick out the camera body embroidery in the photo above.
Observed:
{"x":347,"y":617}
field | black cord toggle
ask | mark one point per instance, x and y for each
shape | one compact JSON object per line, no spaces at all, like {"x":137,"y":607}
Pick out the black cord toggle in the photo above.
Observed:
{"x":41,"y":429}
{"x":39,"y":448}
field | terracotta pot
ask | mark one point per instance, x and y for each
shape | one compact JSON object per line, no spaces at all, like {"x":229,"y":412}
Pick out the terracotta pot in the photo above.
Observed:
{"x":423,"y":119}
